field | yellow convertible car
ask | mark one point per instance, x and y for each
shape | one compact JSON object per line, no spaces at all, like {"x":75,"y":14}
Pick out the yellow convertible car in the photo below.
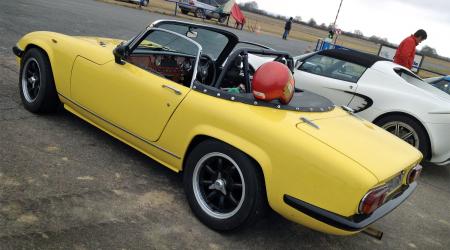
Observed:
{"x":181,"y":93}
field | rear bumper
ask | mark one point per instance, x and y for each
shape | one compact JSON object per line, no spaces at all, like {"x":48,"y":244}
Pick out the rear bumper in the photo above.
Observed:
{"x":443,"y":163}
{"x":440,"y":147}
{"x":353,"y":223}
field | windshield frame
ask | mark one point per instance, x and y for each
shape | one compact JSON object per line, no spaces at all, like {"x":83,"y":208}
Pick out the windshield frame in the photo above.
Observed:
{"x":133,"y":44}
{"x":232,"y":38}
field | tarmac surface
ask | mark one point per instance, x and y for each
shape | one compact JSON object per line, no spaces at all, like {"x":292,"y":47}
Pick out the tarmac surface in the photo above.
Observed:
{"x":66,"y":185}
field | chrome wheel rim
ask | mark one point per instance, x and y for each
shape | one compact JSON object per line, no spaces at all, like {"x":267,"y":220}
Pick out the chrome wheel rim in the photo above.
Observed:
{"x":403,"y":131}
{"x":31,"y":80}
{"x":219,"y":186}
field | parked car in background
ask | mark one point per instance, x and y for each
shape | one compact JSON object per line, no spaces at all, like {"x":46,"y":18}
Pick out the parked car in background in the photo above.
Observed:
{"x":440,"y":82}
{"x":144,"y":3}
{"x":384,"y":93}
{"x":204,"y":9}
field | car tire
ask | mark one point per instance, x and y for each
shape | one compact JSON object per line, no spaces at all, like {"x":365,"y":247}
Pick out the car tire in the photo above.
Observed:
{"x":183,"y":11}
{"x":409,"y":130}
{"x":199,"y":13}
{"x":224,"y":187}
{"x":222,"y":19}
{"x":36,"y":84}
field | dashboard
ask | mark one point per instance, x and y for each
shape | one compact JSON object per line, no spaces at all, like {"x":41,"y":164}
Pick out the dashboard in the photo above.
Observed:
{"x":178,"y":68}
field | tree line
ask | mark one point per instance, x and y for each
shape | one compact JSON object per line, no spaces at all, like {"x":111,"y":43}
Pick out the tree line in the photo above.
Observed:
{"x":253,"y":7}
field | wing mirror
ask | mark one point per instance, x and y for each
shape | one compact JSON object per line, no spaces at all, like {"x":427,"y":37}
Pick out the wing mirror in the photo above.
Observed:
{"x":119,"y":53}
{"x":298,"y":63}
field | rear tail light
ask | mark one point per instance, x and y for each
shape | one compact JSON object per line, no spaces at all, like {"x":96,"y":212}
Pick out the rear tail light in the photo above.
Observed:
{"x":373,"y":199}
{"x":413,"y":174}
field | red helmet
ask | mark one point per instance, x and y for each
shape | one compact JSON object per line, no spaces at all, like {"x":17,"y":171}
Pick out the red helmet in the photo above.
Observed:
{"x":273,"y":80}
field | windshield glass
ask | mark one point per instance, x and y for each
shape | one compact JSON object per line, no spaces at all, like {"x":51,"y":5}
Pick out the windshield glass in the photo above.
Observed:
{"x":167,"y":55}
{"x":443,"y":85}
{"x":212,"y":42}
{"x":164,"y":41}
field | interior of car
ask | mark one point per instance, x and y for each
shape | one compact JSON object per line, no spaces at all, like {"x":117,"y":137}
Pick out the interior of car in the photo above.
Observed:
{"x":173,"y":67}
{"x":174,"y":57}
{"x":332,"y":67}
{"x":171,"y":50}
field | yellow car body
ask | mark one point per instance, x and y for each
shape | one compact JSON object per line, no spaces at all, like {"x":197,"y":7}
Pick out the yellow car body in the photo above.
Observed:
{"x":330,"y":168}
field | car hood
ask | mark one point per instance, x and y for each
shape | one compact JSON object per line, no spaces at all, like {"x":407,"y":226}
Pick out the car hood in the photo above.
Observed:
{"x":107,"y":42}
{"x":98,"y":49}
{"x":378,"y":151}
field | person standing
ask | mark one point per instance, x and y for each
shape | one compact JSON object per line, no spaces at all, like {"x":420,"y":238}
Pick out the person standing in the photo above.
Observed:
{"x":287,"y":28}
{"x":143,"y":3}
{"x":406,"y":51}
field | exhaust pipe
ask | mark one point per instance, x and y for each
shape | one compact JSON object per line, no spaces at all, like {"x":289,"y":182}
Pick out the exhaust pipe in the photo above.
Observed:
{"x":377,"y":234}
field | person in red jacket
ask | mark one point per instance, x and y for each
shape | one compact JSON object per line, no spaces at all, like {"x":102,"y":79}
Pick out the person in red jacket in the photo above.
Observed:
{"x":407,"y":49}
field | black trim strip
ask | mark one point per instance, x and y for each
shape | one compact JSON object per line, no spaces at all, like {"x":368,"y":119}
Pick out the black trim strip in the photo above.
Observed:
{"x":255,"y":44}
{"x":18,"y":52}
{"x":353,"y":56}
{"x":356,"y":222}
{"x":124,"y":130}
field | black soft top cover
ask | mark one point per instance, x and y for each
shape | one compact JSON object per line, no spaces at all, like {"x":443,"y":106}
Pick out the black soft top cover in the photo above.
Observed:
{"x":302,"y":101}
{"x":353,"y":56}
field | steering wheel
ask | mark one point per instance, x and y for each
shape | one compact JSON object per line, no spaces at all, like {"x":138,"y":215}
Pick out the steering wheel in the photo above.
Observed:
{"x":206,"y":73}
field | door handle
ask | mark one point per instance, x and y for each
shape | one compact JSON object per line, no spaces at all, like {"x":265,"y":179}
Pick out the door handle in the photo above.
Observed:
{"x":351,"y":87}
{"x":176,"y":91}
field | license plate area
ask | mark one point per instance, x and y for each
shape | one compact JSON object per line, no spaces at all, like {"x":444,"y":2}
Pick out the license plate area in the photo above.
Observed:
{"x":395,"y":183}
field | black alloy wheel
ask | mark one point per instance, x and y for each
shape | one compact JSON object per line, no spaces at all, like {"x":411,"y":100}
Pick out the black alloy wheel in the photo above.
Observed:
{"x":224,"y":187}
{"x":36,"y":84}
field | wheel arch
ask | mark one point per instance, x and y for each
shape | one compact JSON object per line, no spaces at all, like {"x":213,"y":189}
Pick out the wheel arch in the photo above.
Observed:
{"x":34,"y":46}
{"x":399,"y":113}
{"x":42,"y":46}
{"x":52,"y":45}
{"x":262,"y":169}
{"x":48,"y":52}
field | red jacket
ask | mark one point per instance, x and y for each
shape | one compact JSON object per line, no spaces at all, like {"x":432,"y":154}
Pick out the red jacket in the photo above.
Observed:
{"x":406,"y":52}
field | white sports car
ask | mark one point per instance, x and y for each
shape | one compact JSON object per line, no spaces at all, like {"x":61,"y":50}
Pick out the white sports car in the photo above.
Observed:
{"x":383,"y":92}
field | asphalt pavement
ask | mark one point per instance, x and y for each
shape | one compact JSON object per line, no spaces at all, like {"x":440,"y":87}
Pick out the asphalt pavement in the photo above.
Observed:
{"x":66,"y":185}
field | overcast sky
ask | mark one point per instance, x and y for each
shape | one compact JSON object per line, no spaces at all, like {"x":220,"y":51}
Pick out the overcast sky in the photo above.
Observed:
{"x":392,"y":19}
